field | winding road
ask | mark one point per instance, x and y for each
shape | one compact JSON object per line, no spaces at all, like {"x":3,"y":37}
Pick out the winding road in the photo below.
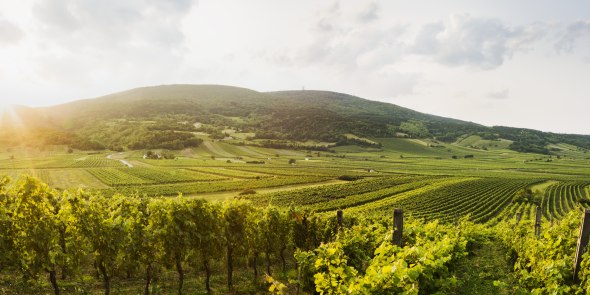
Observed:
{"x":125,"y":162}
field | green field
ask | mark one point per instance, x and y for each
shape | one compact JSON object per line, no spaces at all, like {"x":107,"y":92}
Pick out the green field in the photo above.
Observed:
{"x":433,"y":182}
{"x":439,"y":180}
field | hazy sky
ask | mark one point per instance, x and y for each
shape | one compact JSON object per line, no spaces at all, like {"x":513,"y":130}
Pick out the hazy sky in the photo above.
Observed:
{"x":515,"y":63}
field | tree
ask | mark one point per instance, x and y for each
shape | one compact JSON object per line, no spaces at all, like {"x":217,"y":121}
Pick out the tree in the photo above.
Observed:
{"x":235,"y":216}
{"x":255,"y":242}
{"x":207,"y":236}
{"x":100,"y":222}
{"x":284,"y":237}
{"x":140,"y":245}
{"x":270,"y":226}
{"x":173,"y":223}
{"x":36,"y":230}
{"x":71,"y":238}
{"x":6,"y":242}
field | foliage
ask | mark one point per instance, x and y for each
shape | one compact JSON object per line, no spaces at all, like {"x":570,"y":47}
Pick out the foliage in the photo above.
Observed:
{"x":543,"y":265}
{"x":362,"y":263}
{"x":130,"y":234}
{"x":163,"y":117}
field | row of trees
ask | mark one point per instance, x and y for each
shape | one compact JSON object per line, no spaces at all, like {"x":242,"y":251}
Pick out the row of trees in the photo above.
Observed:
{"x":44,"y":232}
{"x":66,"y":234}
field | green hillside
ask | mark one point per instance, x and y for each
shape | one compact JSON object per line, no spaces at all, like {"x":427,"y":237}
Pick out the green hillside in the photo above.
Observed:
{"x":188,"y":163}
{"x":179,"y":116}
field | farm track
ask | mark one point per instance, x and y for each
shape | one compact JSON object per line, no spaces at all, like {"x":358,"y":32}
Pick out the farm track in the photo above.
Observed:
{"x":217,"y":150}
{"x":494,"y":177}
{"x":230,"y":194}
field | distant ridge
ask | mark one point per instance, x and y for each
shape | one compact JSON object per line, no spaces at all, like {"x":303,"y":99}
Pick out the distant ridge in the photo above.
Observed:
{"x":283,"y":115}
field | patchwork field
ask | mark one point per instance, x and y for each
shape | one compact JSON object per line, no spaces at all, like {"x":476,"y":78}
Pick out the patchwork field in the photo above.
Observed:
{"x":428,"y":179}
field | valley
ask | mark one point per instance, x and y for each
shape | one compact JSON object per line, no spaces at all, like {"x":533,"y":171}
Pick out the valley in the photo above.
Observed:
{"x":223,"y":181}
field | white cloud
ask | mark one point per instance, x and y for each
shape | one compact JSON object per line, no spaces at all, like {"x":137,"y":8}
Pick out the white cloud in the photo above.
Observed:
{"x":478,"y":42}
{"x":339,"y":41}
{"x":352,"y":48}
{"x":369,"y":13}
{"x":75,"y":23}
{"x":500,"y":94}
{"x":86,"y":41}
{"x":10,"y":34}
{"x":572,"y":33}
{"x":420,"y":54}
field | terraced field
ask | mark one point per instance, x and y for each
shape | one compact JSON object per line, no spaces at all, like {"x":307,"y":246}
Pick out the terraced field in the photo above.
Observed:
{"x":233,"y":173}
{"x":428,"y":179}
{"x":217,"y":149}
{"x":563,"y":197}
{"x":116,"y":177}
{"x":160,"y":175}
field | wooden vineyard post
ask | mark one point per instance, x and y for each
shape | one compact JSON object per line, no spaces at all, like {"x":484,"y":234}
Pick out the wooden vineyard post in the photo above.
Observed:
{"x":582,"y":243}
{"x":518,"y":217}
{"x":538,"y":222}
{"x":398,"y":226}
{"x":339,"y":218}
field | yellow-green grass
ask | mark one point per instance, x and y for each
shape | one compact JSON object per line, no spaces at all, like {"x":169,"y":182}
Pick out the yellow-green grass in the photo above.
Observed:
{"x":227,"y":195}
{"x":59,"y":178}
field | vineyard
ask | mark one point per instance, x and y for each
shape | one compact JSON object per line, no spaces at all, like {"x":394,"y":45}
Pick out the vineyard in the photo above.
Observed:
{"x":72,"y":242}
{"x":102,"y":226}
{"x":559,"y":199}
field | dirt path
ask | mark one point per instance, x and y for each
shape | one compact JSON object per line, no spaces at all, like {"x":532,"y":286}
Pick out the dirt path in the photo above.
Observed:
{"x":541,"y":187}
{"x":219,"y":196}
{"x":125,"y":162}
{"x":478,"y":272}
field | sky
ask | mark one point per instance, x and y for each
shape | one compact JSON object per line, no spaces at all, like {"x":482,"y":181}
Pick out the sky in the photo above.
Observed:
{"x":512,"y":63}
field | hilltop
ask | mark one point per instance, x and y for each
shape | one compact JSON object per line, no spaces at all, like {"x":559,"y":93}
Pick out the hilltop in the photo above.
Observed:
{"x":179,"y":116}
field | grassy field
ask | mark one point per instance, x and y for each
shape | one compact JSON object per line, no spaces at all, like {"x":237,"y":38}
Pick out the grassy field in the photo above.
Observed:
{"x":428,"y":179}
{"x":461,"y":175}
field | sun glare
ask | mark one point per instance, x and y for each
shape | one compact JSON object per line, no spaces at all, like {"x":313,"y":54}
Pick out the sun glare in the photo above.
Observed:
{"x":5,"y":108}
{"x":8,"y":115}
{"x":3,"y":105}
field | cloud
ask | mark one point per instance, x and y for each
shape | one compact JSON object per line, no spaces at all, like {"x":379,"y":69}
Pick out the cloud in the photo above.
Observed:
{"x":104,"y":23}
{"x":339,"y":41}
{"x":86,"y":40}
{"x":9,"y":33}
{"x":352,"y":41}
{"x":500,"y":94}
{"x":478,"y":42}
{"x":354,"y":48}
{"x":572,"y":33}
{"x":369,"y":14}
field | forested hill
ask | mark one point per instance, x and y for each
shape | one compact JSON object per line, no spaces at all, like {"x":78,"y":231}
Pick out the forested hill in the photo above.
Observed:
{"x":168,"y":99}
{"x":297,"y":115}
{"x":286,"y":115}
{"x":369,"y":118}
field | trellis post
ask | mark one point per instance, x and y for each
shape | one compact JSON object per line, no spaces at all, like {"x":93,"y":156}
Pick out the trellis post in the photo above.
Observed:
{"x":398,"y":226}
{"x":339,"y":218}
{"x":582,"y":243}
{"x":538,"y":222}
